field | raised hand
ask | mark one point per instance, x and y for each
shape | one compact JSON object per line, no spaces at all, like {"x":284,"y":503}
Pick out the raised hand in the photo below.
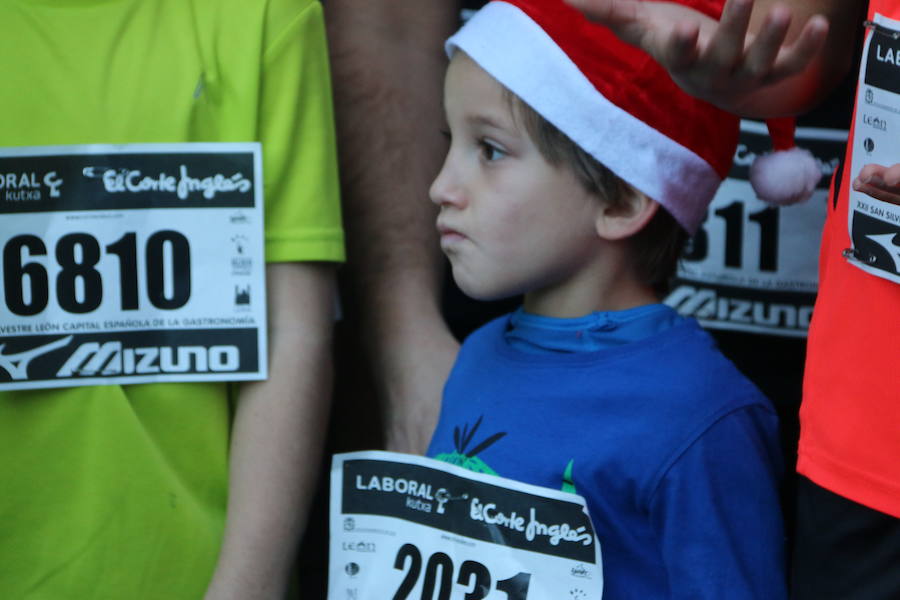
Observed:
{"x":722,"y":61}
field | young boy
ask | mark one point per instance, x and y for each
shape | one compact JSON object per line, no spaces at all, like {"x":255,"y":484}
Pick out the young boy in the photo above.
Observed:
{"x":575,"y":171}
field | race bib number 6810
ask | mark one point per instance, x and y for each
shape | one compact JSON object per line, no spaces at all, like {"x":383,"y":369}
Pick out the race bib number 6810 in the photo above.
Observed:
{"x":131,"y":264}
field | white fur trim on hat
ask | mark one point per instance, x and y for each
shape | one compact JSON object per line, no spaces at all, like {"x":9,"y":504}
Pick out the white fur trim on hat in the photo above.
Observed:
{"x":518,"y":53}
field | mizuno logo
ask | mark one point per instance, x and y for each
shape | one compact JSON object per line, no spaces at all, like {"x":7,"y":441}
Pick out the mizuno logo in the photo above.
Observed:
{"x":706,"y":304}
{"x":110,"y":359}
{"x":17,"y":364}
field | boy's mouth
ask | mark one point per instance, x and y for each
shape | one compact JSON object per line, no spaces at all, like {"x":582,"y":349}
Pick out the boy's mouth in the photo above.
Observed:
{"x":449,"y":236}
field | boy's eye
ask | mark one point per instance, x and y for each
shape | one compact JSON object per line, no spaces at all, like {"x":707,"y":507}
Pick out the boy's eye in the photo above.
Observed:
{"x":491,"y":151}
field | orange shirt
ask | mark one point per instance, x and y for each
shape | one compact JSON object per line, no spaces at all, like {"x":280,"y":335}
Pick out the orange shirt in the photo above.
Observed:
{"x":850,"y":416}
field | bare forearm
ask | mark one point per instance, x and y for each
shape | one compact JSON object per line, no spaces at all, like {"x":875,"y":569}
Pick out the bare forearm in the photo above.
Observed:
{"x":388,"y":66}
{"x":277,"y":438}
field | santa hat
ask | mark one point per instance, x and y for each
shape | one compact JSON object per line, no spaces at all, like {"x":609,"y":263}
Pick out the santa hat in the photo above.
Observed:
{"x":612,"y":99}
{"x":788,"y":174}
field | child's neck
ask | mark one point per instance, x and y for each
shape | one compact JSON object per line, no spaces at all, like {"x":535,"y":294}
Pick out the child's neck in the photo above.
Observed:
{"x":615,"y":293}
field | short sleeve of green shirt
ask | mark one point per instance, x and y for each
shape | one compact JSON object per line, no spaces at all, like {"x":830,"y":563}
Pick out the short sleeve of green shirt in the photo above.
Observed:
{"x":303,"y":221}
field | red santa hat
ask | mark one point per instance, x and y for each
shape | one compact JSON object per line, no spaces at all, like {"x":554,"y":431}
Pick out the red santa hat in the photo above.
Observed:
{"x":612,"y":99}
{"x":788,"y":174}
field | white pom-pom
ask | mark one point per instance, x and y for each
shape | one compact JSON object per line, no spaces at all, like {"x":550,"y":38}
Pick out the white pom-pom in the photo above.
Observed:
{"x":785,"y":177}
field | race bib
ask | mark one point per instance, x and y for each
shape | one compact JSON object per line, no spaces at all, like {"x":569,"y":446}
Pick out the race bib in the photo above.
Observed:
{"x":409,"y":527}
{"x":131,"y":264}
{"x":874,"y":224}
{"x":753,"y":266}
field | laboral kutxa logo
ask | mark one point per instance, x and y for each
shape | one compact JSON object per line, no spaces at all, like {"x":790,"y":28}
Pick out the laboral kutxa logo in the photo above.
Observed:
{"x":419,"y":495}
{"x":29,"y":186}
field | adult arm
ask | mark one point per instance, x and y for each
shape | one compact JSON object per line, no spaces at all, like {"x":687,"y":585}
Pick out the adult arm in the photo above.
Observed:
{"x":388,"y":65}
{"x":762,"y":59}
{"x":279,"y":424}
{"x":277,"y":437}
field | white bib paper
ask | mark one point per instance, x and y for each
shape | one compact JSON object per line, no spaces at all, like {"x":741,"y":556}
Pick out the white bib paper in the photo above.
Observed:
{"x":874,"y":224}
{"x":131,"y":264}
{"x":408,"y":527}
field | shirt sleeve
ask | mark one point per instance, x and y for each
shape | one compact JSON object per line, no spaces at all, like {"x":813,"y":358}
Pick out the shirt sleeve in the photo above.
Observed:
{"x":303,"y":218}
{"x":718,"y":516}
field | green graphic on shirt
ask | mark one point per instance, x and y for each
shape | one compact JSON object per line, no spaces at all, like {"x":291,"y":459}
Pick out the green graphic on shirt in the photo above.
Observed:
{"x":568,"y":484}
{"x":467,"y":458}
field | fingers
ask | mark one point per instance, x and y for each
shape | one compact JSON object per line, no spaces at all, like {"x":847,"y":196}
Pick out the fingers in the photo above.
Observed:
{"x":719,"y":61}
{"x":726,"y":46}
{"x":892,"y":176}
{"x":879,"y":182}
{"x":808,"y":45}
{"x":680,"y":50}
{"x":762,"y":52}
{"x":871,"y":171}
{"x":885,"y":195}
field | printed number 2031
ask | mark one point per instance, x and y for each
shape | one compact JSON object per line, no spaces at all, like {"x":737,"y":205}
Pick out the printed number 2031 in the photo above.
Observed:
{"x":79,"y":286}
{"x":471,"y":573}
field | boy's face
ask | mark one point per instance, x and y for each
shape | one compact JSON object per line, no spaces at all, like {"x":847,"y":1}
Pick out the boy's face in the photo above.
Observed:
{"x":510,"y":222}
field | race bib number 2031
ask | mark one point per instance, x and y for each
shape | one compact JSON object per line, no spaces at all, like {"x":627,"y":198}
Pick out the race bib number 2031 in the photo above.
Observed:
{"x":131,"y":264}
{"x":412,"y":528}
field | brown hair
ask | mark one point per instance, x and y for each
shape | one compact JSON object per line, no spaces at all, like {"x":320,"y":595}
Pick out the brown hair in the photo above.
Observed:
{"x":656,"y":247}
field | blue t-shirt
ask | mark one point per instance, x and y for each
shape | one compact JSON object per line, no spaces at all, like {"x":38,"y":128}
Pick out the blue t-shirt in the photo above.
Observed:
{"x":595,"y":331}
{"x":674,"y":450}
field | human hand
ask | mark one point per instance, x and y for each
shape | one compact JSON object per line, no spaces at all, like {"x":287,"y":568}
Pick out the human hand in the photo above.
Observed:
{"x":881,"y":183}
{"x":721,"y":62}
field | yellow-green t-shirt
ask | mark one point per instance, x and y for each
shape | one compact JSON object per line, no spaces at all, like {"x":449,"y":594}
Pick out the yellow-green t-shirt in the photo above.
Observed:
{"x":118,"y":492}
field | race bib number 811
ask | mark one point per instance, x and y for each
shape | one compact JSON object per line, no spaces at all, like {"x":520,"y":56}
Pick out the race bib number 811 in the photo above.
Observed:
{"x":131,"y":264}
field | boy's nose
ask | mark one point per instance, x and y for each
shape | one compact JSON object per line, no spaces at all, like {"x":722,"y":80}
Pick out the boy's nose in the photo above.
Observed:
{"x":444,"y":189}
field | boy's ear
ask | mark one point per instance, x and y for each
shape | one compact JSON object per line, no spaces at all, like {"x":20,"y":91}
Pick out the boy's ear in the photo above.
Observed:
{"x":625,"y":220}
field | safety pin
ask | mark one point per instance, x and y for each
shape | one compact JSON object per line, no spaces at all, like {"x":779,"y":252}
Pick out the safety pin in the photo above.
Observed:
{"x":882,"y":30}
{"x":856,"y":254}
{"x":443,"y":495}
